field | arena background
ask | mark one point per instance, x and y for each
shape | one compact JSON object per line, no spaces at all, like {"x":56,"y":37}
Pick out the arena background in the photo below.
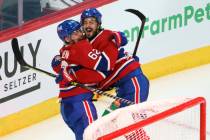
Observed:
{"x":175,"y":38}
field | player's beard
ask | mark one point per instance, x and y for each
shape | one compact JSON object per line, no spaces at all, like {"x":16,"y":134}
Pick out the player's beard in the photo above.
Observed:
{"x":90,"y":33}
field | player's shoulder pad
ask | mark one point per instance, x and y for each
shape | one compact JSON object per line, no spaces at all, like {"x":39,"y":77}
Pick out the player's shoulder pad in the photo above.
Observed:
{"x":107,"y":32}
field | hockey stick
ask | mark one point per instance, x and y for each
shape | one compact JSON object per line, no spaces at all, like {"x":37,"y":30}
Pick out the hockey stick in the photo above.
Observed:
{"x":22,"y":62}
{"x":143,"y":20}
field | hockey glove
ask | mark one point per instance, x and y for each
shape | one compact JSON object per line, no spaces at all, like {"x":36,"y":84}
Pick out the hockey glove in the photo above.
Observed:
{"x":136,"y":58}
{"x":64,"y":77}
{"x":57,"y":64}
{"x":120,"y":38}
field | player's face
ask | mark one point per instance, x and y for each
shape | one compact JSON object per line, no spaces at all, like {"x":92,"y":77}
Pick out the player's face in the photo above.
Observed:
{"x":75,"y":37}
{"x":90,"y":26}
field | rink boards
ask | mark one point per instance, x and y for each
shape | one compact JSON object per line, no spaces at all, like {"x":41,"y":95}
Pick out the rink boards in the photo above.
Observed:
{"x":174,"y":39}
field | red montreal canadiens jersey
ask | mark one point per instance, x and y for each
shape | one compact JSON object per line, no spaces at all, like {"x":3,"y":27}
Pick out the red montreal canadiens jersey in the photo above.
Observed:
{"x":101,"y":54}
{"x":97,"y":56}
{"x":82,"y":75}
{"x":123,"y":65}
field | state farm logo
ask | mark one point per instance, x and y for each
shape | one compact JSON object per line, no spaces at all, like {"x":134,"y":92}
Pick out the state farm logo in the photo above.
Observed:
{"x":17,"y":80}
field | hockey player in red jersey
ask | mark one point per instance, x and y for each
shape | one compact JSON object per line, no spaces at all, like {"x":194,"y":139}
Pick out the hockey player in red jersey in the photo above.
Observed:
{"x":77,"y":108}
{"x":76,"y":45}
{"x":127,"y":75}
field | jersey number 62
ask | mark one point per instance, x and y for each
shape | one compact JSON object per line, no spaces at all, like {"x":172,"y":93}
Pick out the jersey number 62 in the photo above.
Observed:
{"x":94,"y":54}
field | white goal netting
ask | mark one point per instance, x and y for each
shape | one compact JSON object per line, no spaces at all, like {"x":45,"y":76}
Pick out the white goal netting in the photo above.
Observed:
{"x":174,"y":119}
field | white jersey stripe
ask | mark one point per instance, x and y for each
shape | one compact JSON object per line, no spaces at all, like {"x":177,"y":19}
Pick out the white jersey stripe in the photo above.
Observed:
{"x":88,"y":112}
{"x":68,"y":88}
{"x":116,"y":72}
{"x":137,"y":90}
{"x":102,"y":74}
{"x":123,"y":58}
{"x":96,"y":37}
{"x":108,"y":61}
{"x":96,"y":65}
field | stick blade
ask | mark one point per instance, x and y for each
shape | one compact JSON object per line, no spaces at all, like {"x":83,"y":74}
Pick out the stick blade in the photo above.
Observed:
{"x":137,"y":13}
{"x":22,"y":62}
{"x":143,"y":20}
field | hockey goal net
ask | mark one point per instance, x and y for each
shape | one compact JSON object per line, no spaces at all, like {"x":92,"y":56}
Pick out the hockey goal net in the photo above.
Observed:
{"x":174,"y":119}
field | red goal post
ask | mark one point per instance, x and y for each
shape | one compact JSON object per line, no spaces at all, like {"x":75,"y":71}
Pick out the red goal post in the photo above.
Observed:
{"x":141,"y":121}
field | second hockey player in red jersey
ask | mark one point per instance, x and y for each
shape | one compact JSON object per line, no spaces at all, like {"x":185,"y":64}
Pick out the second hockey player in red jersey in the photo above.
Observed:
{"x":127,"y":76}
